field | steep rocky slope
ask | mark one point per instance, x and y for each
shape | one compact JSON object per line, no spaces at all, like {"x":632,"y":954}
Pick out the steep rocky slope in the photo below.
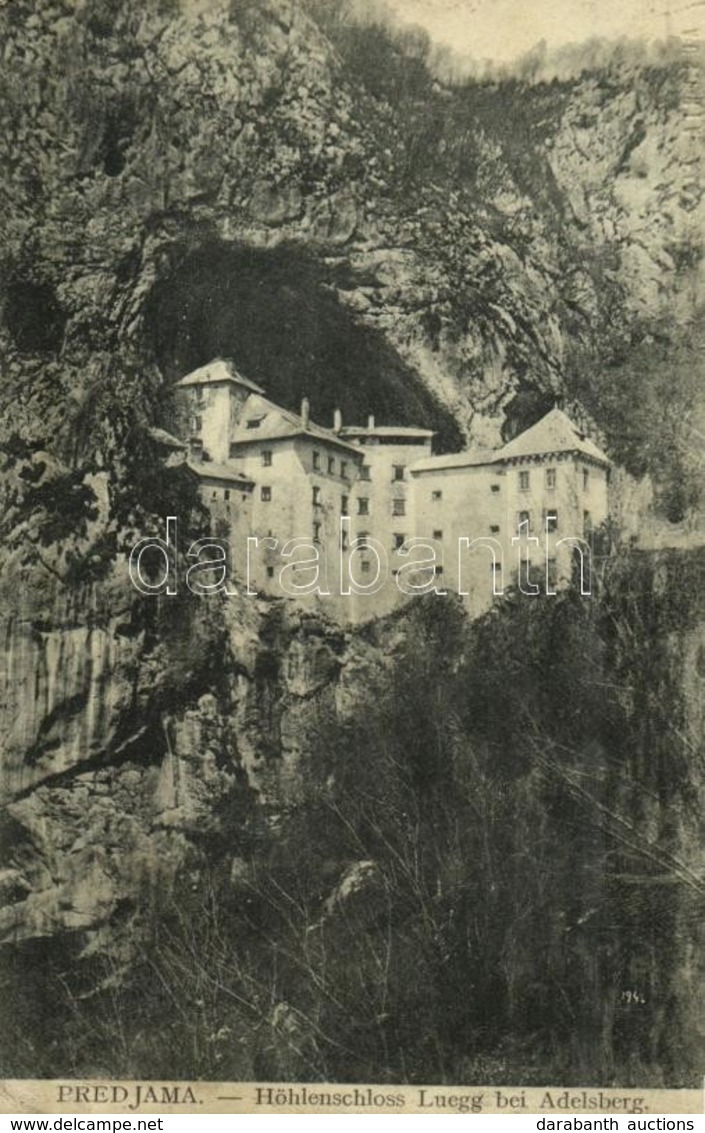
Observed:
{"x":245,"y":887}
{"x":186,"y":180}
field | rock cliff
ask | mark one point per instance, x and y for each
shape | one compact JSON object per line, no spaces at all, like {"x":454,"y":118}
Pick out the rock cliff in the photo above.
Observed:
{"x":191,"y":179}
{"x":248,"y":179}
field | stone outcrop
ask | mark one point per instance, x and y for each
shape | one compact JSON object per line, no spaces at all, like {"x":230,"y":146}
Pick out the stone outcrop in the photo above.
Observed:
{"x":135,"y":735}
{"x":482,"y":231}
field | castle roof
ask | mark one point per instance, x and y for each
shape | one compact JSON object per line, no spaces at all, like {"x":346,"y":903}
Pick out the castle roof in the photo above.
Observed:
{"x":219,"y":370}
{"x":554,"y":433}
{"x":275,"y":424}
{"x":210,"y":470}
{"x":468,"y":459}
{"x":167,"y":440}
{"x":386,"y":431}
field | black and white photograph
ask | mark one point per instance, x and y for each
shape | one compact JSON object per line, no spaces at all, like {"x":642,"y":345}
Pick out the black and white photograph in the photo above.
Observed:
{"x":352,"y":555}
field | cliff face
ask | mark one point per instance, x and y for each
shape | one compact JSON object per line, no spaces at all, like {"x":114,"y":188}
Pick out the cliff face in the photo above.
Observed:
{"x":186,"y":180}
{"x":284,"y":821}
{"x":136,"y":736}
{"x":189,"y":179}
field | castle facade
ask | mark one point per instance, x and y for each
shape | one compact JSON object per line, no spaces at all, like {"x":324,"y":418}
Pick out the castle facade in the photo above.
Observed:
{"x":359,"y":517}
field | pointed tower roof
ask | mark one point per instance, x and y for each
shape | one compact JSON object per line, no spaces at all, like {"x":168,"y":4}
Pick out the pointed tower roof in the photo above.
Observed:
{"x":216,"y":371}
{"x":553,"y":433}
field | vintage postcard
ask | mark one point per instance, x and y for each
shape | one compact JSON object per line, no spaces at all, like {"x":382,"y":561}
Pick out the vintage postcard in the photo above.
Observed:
{"x":352,"y":570}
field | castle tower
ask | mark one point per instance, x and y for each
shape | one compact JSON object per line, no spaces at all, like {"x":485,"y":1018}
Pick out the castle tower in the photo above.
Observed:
{"x":213,"y":397}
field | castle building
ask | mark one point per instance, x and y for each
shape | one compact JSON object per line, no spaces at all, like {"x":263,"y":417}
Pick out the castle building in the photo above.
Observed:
{"x":359,"y":517}
{"x":228,"y":495}
{"x":383,"y":513}
{"x":301,"y":475}
{"x":211,"y":408}
{"x":517,"y":515}
{"x":304,"y":474}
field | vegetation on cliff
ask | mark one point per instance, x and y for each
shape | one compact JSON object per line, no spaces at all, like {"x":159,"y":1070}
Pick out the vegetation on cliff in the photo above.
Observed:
{"x":490,"y":876}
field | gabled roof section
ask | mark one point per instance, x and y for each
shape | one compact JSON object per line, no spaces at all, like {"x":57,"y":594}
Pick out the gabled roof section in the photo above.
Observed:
{"x":472,"y":458}
{"x":209,"y":470}
{"x":168,"y":440}
{"x":217,"y":371}
{"x":262,"y":420}
{"x":553,"y":433}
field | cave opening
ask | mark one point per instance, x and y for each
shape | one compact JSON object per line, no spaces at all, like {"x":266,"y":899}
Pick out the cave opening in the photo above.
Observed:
{"x":34,"y":317}
{"x":275,"y":313}
{"x":118,"y":132}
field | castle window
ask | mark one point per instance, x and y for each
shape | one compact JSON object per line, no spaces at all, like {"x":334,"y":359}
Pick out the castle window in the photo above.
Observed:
{"x":226,"y":493}
{"x":524,"y":481}
{"x":551,"y":572}
{"x":587,"y":523}
{"x":365,"y":566}
{"x":399,"y":541}
{"x":398,"y":472}
{"x":398,"y":507}
{"x":344,"y":509}
{"x":344,"y":469}
{"x":266,"y":458}
{"x":316,"y":532}
{"x":316,"y":496}
{"x":265,"y":494}
{"x":215,"y":494}
{"x":550,"y":519}
{"x":437,"y":495}
{"x":344,"y":540}
{"x":255,"y":422}
{"x":362,"y":539}
{"x":196,"y":424}
{"x":316,"y":460}
{"x":524,"y":522}
{"x":550,"y":478}
{"x":270,"y":572}
{"x":331,"y":465}
{"x":494,"y":528}
{"x":363,"y":506}
{"x":494,"y":487}
{"x":365,"y":472}
{"x":438,"y":569}
{"x":586,"y":479}
{"x":438,"y":535}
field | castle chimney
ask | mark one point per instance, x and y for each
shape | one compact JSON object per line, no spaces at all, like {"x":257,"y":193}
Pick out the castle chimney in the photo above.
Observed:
{"x":371,"y":422}
{"x":305,"y":412}
{"x":337,"y":421}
